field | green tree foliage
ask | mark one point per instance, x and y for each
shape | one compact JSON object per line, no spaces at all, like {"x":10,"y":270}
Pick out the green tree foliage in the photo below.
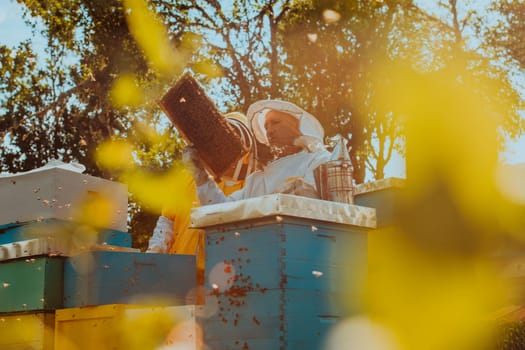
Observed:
{"x":25,"y":88}
{"x":331,"y":48}
{"x":67,"y":99}
{"x":337,"y":66}
{"x":508,"y":33}
{"x":237,"y":41}
{"x":60,"y":105}
{"x":263,"y":51}
{"x":476,"y":59}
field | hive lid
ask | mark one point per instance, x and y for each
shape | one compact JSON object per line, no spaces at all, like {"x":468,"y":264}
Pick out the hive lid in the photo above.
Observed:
{"x":285,"y":205}
{"x":391,"y":182}
{"x":60,"y":191}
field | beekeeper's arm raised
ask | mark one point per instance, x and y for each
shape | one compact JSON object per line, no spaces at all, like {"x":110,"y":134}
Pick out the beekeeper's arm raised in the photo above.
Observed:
{"x":295,"y":138}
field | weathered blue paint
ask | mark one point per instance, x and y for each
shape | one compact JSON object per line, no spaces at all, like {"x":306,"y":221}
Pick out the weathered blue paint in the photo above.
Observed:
{"x":108,"y":277}
{"x":280,"y":281}
{"x":61,"y":229}
{"x":241,"y":344}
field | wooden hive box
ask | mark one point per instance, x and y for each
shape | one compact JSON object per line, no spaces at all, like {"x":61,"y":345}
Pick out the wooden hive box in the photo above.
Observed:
{"x":109,"y":277}
{"x":384,"y":195}
{"x":201,"y":124}
{"x":278,"y":268}
{"x":120,"y":326}
{"x":62,"y":231}
{"x":33,"y":331}
{"x":271,"y":319}
{"x":31,"y":284}
{"x":56,"y":193}
{"x":285,"y":254}
{"x":279,"y":282}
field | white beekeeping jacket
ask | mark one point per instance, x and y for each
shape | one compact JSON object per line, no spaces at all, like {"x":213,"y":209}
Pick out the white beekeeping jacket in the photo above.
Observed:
{"x":268,"y":180}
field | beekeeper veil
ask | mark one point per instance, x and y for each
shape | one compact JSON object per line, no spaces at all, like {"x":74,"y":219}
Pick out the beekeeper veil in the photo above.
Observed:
{"x":247,"y":164}
{"x":310,"y":128}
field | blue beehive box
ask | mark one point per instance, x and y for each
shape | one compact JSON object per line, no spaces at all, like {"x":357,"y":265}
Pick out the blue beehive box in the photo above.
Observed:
{"x":109,"y":277}
{"x":32,"y":284}
{"x":277,"y":268}
{"x":63,"y":230}
{"x":384,"y":195}
{"x":280,"y":317}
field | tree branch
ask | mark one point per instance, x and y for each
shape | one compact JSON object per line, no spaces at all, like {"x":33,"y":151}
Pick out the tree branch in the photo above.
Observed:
{"x":64,"y":95}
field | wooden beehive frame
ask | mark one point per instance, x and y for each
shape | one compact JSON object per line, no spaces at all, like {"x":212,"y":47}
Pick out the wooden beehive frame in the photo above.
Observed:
{"x":201,"y":124}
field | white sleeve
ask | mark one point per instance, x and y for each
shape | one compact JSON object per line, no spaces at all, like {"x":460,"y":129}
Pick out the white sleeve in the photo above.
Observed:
{"x":210,"y":193}
{"x":318,"y":158}
{"x":162,"y":237}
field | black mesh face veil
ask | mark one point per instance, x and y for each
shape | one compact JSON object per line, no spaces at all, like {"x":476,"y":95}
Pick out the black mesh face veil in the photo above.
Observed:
{"x":242,"y":130}
{"x":246,"y":165}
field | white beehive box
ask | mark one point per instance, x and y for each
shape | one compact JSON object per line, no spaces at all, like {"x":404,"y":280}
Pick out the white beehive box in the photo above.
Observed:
{"x":61,"y":192}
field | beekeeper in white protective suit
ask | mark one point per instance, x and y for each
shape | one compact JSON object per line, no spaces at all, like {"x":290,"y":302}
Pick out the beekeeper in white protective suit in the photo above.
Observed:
{"x":296,"y":140}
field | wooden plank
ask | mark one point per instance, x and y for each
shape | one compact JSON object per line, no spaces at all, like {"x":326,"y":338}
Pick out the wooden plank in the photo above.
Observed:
{"x":65,"y":231}
{"x":288,"y":255}
{"x":281,"y":315}
{"x":120,"y":326}
{"x":31,"y":284}
{"x":286,"y":281}
{"x":252,"y":344}
{"x":313,"y":303}
{"x":242,"y":316}
{"x":110,"y":277}
{"x":248,"y":259}
{"x":27,"y":331}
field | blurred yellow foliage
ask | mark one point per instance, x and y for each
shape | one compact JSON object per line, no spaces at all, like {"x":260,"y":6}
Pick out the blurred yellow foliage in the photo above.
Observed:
{"x":95,"y":210}
{"x":26,"y":330}
{"x":152,"y":36}
{"x":125,"y":92}
{"x":144,"y":329}
{"x":148,"y":135}
{"x":115,"y":155}
{"x":208,"y":69}
{"x":119,"y":326}
{"x":434,"y":280}
{"x":153,"y":190}
{"x":429,"y":301}
{"x":190,"y":42}
{"x":158,"y":191}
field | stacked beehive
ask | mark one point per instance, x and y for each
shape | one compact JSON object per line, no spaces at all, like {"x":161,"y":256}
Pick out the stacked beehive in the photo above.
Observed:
{"x":69,"y":277}
{"x":384,"y":195}
{"x":278,"y":268}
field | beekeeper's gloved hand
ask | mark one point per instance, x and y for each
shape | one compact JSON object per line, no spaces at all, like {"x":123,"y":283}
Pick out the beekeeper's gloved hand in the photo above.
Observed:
{"x":190,"y":157}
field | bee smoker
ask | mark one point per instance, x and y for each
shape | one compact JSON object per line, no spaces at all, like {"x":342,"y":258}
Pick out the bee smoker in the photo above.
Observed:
{"x":334,"y":179}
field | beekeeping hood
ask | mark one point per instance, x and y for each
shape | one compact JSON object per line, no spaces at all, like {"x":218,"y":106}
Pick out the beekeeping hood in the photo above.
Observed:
{"x":310,"y":128}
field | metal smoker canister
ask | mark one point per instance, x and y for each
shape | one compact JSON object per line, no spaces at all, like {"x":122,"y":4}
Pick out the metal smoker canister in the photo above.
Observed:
{"x":334,"y":181}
